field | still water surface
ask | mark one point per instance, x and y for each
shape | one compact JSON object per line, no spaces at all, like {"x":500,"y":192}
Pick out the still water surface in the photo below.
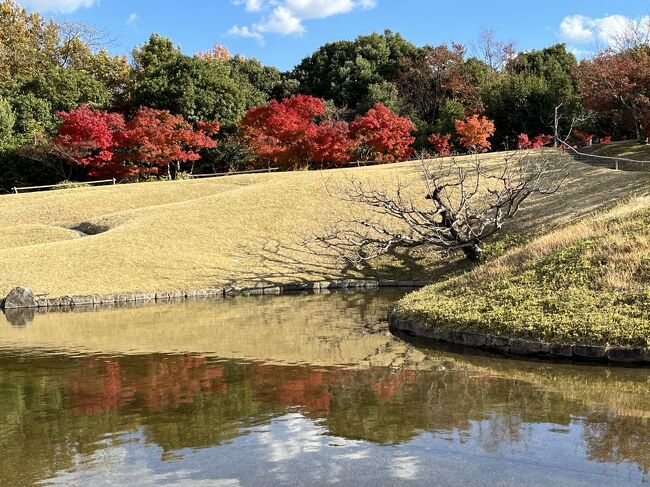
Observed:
{"x":299,"y":390}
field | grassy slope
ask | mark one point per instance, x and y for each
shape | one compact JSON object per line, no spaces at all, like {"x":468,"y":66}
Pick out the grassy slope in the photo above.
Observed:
{"x":586,"y":283}
{"x":629,"y":149}
{"x":243,"y":229}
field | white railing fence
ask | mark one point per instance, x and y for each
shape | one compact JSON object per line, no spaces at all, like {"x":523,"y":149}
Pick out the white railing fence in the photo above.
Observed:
{"x":17,"y":190}
{"x":617,"y":163}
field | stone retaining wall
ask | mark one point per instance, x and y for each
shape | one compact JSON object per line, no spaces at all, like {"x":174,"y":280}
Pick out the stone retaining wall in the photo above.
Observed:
{"x":521,"y":347}
{"x":67,"y":302}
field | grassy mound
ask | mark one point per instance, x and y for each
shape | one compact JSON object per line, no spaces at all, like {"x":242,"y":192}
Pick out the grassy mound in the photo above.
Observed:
{"x":630,"y":149}
{"x":244,"y":230}
{"x":33,"y":234}
{"x":587,"y":283}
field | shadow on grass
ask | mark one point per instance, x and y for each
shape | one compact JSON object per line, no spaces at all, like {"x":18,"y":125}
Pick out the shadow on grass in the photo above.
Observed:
{"x":273,"y":263}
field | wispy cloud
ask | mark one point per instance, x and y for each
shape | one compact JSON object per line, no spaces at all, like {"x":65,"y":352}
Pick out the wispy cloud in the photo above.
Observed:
{"x":132,"y":19}
{"x":286,"y":17}
{"x":59,"y":6}
{"x":251,"y":5}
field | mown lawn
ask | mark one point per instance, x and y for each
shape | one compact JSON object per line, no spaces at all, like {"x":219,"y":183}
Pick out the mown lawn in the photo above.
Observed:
{"x":241,"y":230}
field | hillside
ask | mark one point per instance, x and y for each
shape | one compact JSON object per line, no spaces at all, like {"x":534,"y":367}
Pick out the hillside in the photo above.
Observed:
{"x":242,"y":230}
{"x":586,"y":283}
{"x":630,"y":149}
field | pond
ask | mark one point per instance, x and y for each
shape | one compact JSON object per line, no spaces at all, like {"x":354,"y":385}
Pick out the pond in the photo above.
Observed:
{"x":299,"y":390}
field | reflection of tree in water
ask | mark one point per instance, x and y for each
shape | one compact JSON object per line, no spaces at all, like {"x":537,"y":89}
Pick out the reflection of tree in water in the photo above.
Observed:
{"x":57,"y":407}
{"x":614,"y":439}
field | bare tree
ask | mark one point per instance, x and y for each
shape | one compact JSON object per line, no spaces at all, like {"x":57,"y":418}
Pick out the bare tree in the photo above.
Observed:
{"x":574,"y":122}
{"x":492,"y":51}
{"x":466,"y":203}
{"x":631,"y":34}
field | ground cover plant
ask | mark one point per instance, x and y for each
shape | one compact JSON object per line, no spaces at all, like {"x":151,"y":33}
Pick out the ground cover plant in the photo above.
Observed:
{"x":586,"y":283}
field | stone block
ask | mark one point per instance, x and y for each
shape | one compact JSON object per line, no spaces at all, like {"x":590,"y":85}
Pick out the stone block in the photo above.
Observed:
{"x":590,"y":352}
{"x":387,"y":283}
{"x":273,"y":290}
{"x":405,"y":283}
{"x":477,"y":340}
{"x":525,"y":347}
{"x":626,"y":354}
{"x":501,"y":344}
{"x":81,"y":300}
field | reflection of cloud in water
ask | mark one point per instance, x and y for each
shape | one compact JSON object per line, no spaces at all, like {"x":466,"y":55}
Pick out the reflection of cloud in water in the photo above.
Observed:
{"x":291,"y":437}
{"x":404,"y":467}
{"x":124,"y":466}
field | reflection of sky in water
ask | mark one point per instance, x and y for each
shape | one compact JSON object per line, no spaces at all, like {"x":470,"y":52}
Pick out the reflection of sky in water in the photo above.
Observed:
{"x":294,"y":450}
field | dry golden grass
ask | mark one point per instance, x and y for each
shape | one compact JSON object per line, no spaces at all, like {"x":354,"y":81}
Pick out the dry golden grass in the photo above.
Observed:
{"x":247,"y":229}
{"x":34,"y":234}
{"x":625,"y":252}
{"x":630,"y":149}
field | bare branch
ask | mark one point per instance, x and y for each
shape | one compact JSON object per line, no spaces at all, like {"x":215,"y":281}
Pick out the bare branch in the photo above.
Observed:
{"x":465,"y":204}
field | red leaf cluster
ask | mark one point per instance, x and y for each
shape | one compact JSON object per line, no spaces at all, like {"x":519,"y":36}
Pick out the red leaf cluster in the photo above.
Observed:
{"x":385,"y":135}
{"x":474,"y":133}
{"x":288,"y":134}
{"x":524,"y":142}
{"x":328,"y":143}
{"x":583,"y":138}
{"x":441,"y":144}
{"x":285,"y":134}
{"x":89,"y":136}
{"x":152,"y":139}
{"x":156,"y":138}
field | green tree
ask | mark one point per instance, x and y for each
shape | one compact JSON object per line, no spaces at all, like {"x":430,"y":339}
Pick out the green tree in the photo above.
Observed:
{"x":344,"y":71}
{"x":199,"y":89}
{"x":7,"y":121}
{"x":522,"y":98}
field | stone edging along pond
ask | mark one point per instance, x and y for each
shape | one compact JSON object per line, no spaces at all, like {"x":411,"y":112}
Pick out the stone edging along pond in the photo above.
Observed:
{"x":21,"y":298}
{"x":521,"y":347}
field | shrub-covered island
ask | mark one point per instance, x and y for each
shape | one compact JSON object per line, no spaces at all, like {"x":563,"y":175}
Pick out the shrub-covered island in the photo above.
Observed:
{"x":587,"y":283}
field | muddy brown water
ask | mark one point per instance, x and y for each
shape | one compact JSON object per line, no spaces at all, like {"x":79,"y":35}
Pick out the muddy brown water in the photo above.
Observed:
{"x":299,"y":390}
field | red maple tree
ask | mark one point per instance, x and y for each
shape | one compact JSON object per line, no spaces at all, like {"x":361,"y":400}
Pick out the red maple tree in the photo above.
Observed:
{"x":618,"y":84}
{"x":523,"y":141}
{"x":88,"y":138}
{"x":539,"y":141}
{"x":441,"y":144}
{"x":474,"y":133}
{"x":382,"y":135}
{"x":328,"y":143}
{"x":157,"y":139}
{"x":152,"y":140}
{"x":277,"y":132}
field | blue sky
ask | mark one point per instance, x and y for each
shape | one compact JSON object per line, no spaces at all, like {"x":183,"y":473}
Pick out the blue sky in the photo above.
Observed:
{"x":282,"y":32}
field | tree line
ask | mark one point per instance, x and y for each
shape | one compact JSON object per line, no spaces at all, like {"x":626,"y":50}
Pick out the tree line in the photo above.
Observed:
{"x":70,"y":110}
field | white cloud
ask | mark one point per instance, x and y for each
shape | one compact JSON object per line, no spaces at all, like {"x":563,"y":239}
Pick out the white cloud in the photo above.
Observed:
{"x":577,"y":28}
{"x":133,"y":18}
{"x":287,"y":17}
{"x":281,"y":21}
{"x":59,"y":6}
{"x":606,"y":31}
{"x":246,"y":33}
{"x":251,"y":5}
